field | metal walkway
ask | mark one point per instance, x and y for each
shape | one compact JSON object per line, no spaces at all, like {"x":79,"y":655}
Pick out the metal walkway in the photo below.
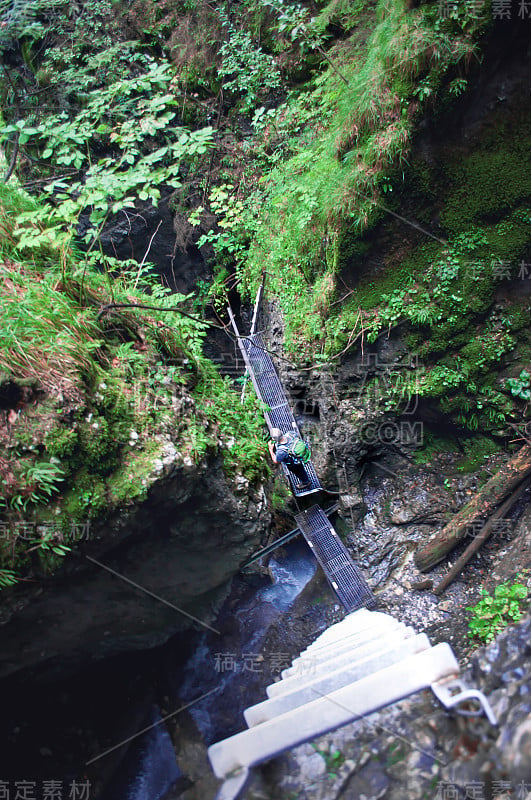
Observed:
{"x":342,"y":573}
{"x":359,"y":665}
{"x":269,"y":390}
{"x":282,"y":540}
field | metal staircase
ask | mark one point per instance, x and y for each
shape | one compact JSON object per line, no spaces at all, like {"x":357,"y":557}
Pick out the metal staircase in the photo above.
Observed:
{"x":363,"y":663}
{"x":343,"y":575}
{"x":360,"y":665}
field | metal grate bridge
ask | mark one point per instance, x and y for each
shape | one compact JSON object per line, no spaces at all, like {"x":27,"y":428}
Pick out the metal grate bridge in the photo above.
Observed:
{"x":270,"y":391}
{"x":342,"y":573}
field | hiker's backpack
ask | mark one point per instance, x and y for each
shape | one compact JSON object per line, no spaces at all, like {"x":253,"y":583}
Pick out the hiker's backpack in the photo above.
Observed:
{"x":299,"y":450}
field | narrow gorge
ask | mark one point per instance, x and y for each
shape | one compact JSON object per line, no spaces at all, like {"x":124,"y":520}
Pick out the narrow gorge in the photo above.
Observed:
{"x":367,"y":162}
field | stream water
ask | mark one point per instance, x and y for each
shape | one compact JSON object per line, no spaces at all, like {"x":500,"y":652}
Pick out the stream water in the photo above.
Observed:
{"x":150,"y":768}
{"x":192,"y":691}
{"x":50,"y":733}
{"x":232,"y":668}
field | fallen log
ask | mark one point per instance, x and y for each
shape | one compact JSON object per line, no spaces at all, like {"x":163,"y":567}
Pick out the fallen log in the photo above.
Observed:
{"x":481,"y":538}
{"x":506,"y":480}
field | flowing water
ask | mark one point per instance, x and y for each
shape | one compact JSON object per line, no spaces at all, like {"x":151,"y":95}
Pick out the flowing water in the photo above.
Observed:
{"x":232,"y":668}
{"x":150,"y":768}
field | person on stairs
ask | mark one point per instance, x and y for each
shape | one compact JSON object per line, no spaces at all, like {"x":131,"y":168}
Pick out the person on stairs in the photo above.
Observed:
{"x":289,"y":449}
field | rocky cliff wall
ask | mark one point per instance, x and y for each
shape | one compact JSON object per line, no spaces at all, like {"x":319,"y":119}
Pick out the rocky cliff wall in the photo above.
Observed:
{"x":183,"y":544}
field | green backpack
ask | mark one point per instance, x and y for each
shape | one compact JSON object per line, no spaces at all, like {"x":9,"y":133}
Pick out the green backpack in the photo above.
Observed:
{"x":299,"y":450}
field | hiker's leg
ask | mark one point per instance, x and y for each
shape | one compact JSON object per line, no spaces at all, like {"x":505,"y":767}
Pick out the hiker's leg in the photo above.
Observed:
{"x":299,"y":471}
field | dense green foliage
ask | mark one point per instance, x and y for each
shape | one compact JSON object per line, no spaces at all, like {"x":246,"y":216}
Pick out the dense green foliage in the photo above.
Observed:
{"x":286,"y":133}
{"x":326,"y":194}
{"x":100,"y":395}
{"x":337,"y":160}
{"x":493,"y":613}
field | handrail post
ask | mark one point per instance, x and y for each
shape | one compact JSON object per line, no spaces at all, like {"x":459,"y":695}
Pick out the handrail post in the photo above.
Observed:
{"x":256,"y":310}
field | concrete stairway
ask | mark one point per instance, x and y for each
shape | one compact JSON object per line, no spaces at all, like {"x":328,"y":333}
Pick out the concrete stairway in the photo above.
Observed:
{"x":361,"y":664}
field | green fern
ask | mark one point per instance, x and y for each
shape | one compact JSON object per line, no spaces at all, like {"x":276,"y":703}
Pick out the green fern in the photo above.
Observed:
{"x":18,"y":19}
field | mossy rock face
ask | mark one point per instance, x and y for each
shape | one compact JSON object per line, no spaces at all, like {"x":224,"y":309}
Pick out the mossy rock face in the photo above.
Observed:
{"x":477,"y":449}
{"x":87,"y":498}
{"x":476,"y":181}
{"x":510,"y":237}
{"x":433,"y":444}
{"x":473,"y":192}
{"x":129,"y":482}
{"x":489,"y":183}
{"x":96,"y":442}
{"x":61,"y":442}
{"x":101,"y":431}
{"x":484,"y":352}
{"x":347,"y":249}
{"x":92,"y":493}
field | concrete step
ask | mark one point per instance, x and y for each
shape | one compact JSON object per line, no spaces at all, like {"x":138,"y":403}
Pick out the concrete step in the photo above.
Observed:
{"x":349,"y":644}
{"x":362,"y":635}
{"x":308,"y":671}
{"x":357,"y":622}
{"x":233,"y":785}
{"x":262,"y":742}
{"x":352,"y":637}
{"x":324,"y":684}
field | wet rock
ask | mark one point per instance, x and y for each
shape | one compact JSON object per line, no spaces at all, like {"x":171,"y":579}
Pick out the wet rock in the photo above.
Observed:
{"x":156,"y":568}
{"x":410,"y":507}
{"x":174,"y":256}
{"x":312,"y":765}
{"x":517,"y":740}
{"x":370,"y":783}
{"x":514,"y":559}
{"x":352,"y":507}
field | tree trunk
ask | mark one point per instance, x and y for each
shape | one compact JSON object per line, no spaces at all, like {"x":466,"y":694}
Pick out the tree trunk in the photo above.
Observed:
{"x":482,"y":537}
{"x":13,"y":161}
{"x":499,"y":486}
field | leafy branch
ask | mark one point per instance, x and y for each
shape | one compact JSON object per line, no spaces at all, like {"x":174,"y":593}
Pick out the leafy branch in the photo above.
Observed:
{"x":493,"y":613}
{"x":295,"y":21}
{"x":130,"y":124}
{"x":245,"y":67}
